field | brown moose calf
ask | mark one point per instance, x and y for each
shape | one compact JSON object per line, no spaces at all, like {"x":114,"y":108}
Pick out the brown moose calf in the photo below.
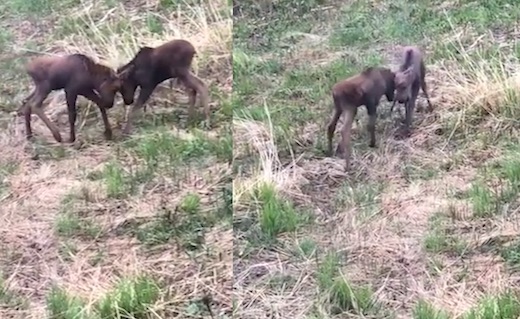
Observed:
{"x":408,"y":79}
{"x":151,"y":66}
{"x":365,"y":88}
{"x":77,"y":74}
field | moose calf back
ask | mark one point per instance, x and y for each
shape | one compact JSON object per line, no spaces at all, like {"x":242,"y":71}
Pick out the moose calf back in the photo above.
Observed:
{"x":366,"y":87}
{"x":177,"y":53}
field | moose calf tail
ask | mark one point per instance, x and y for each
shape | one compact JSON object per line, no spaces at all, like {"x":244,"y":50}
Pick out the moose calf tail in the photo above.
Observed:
{"x":408,"y":59}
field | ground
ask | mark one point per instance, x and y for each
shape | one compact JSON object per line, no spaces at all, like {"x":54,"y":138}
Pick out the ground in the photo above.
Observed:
{"x":421,"y":227}
{"x":129,"y":228}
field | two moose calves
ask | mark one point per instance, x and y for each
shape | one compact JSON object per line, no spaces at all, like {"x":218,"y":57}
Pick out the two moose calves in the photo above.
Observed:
{"x":367,"y":88}
{"x":78,"y":74}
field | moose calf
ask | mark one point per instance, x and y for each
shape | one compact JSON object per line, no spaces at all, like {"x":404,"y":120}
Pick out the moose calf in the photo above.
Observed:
{"x":408,"y":79}
{"x":365,"y":88}
{"x":77,"y":74}
{"x":151,"y":66}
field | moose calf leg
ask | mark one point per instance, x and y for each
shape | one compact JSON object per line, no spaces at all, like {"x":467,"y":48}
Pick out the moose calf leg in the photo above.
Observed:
{"x":108,"y":129}
{"x":371,"y":127}
{"x":192,"y":96}
{"x":408,"y":116}
{"x":71,"y":108}
{"x":21,"y":110}
{"x":346,"y":132}
{"x":424,"y":89}
{"x":37,"y":109}
{"x":331,"y":127}
{"x":27,"y":114}
{"x":144,"y":95}
{"x":392,"y":107}
{"x":92,"y":96}
{"x":194,"y":83}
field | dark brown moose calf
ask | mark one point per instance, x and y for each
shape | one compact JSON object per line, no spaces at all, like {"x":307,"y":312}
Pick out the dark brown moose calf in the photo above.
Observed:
{"x":365,"y":88}
{"x":408,"y":79}
{"x":77,"y":74}
{"x":151,"y":66}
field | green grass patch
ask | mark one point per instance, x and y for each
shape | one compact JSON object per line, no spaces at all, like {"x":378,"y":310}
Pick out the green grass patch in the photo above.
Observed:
{"x":164,"y":150}
{"x":306,"y":248}
{"x":61,"y":305}
{"x":365,"y":197}
{"x":69,"y":223}
{"x":187,"y":224}
{"x":441,"y":239}
{"x":276,"y":215}
{"x":343,"y":295}
{"x":496,"y":191}
{"x":285,"y":65}
{"x":130,"y":298}
{"x":511,"y":255}
{"x":506,"y":305}
{"x":10,"y":299}
{"x":424,"y":310}
{"x":34,"y":7}
{"x":6,"y":170}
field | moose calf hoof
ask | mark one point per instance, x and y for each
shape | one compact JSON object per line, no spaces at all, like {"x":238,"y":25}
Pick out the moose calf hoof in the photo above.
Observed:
{"x":407,"y":133}
{"x":372,"y":144}
{"x":58,"y":138}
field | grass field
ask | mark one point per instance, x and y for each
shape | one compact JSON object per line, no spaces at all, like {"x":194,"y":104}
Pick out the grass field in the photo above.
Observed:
{"x":424,"y":227}
{"x":130,"y":228}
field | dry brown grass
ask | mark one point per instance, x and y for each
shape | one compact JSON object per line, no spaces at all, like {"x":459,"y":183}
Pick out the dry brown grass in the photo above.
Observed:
{"x":385,"y":248}
{"x":33,"y":257}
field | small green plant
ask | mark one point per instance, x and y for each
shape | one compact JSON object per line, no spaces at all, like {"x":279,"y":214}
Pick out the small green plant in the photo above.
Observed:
{"x":276,"y":215}
{"x":482,"y":200}
{"x":506,"y":305}
{"x":61,"y":305}
{"x":328,"y":270}
{"x":440,"y":240}
{"x":131,"y":298}
{"x":306,"y":248}
{"x":115,"y":180}
{"x":424,"y":310}
{"x":511,"y":255}
{"x":191,"y":204}
{"x":69,"y":224}
{"x":363,"y":196}
{"x":154,"y":24}
{"x":157,"y":232}
{"x":347,"y":297}
{"x":344,"y":296}
{"x":188,"y":226}
{"x":9,"y":299}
